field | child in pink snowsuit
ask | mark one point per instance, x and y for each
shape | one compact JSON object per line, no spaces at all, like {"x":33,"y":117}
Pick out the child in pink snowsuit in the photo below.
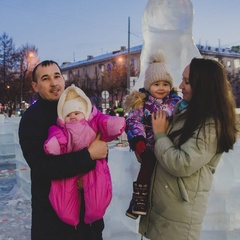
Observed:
{"x":78,"y":125}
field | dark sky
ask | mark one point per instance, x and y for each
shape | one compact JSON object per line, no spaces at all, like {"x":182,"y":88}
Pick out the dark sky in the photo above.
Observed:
{"x":71,"y":30}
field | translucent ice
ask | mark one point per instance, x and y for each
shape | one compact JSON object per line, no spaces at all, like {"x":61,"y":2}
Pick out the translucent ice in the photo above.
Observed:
{"x":167,"y":26}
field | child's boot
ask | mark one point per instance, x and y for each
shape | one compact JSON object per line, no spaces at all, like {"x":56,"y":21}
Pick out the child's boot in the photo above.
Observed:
{"x":138,"y":204}
{"x":140,"y":198}
{"x":129,"y":211}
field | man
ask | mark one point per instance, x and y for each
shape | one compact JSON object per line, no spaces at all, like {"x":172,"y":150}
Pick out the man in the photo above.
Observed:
{"x":48,"y":82}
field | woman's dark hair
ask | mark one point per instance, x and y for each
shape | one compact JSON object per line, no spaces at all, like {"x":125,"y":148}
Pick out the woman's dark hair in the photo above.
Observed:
{"x":211,"y":98}
{"x":44,"y":63}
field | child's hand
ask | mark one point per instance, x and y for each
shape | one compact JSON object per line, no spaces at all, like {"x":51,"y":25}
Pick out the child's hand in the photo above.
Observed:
{"x":159,"y":122}
{"x":139,"y":149}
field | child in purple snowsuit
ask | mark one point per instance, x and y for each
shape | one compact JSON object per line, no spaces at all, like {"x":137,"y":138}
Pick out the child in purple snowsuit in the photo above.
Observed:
{"x":157,"y":94}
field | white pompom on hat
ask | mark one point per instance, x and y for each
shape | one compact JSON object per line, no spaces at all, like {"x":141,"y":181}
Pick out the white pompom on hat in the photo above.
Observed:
{"x":75,"y":105}
{"x":157,"y":71}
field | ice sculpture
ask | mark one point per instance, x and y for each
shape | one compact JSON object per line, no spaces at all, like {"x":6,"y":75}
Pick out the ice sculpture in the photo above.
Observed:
{"x":167,"y":26}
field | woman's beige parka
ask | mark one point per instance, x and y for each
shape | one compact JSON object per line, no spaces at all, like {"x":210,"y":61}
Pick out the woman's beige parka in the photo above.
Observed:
{"x":180,"y":184}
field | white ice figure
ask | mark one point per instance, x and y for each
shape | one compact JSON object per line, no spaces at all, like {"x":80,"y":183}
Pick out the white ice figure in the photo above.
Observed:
{"x":222,"y":219}
{"x":167,"y":26}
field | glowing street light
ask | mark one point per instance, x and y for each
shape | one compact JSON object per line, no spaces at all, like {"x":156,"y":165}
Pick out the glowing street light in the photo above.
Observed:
{"x":27,"y":64}
{"x":120,"y":59}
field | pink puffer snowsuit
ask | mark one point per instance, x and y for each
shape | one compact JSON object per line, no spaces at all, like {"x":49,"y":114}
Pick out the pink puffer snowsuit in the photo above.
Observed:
{"x":73,"y":136}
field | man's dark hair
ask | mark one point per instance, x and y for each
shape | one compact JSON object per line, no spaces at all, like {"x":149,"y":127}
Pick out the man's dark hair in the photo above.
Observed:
{"x":44,"y":63}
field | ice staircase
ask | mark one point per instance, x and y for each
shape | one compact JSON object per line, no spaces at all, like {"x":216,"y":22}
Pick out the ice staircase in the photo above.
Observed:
{"x":7,"y":143}
{"x":7,"y":146}
{"x":10,"y":151}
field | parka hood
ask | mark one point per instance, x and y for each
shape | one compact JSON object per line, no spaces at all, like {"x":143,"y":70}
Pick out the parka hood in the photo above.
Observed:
{"x":70,"y":93}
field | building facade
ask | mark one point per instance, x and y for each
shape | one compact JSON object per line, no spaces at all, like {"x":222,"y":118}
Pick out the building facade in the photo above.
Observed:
{"x":89,"y":74}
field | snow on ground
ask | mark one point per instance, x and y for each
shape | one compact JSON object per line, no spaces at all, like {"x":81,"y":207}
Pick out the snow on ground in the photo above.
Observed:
{"x":15,"y":206}
{"x":222,"y":221}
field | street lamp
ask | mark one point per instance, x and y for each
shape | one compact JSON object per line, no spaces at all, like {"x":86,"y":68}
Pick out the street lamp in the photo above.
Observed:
{"x":128,"y":58}
{"x":30,"y":54}
{"x":25,"y":66}
{"x":120,"y":59}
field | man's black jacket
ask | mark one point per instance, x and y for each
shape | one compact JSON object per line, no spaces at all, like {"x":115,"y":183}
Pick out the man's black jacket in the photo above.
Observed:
{"x":33,"y":131}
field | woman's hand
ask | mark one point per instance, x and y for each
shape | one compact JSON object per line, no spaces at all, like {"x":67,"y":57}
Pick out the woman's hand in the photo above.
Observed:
{"x":159,"y":122}
{"x":98,"y":149}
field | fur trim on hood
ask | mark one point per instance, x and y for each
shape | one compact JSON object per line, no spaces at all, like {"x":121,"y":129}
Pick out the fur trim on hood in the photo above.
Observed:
{"x":134,"y":100}
{"x":70,"y":93}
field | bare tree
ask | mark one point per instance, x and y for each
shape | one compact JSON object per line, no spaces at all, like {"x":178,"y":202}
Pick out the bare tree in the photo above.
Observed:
{"x":8,"y":63}
{"x":115,"y":81}
{"x":28,"y":59}
{"x":15,"y":71}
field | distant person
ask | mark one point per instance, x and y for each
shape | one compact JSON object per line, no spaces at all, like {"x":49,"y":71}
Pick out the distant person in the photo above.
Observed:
{"x":113,"y":111}
{"x":120,"y":111}
{"x":100,"y":109}
{"x":188,"y":150}
{"x":48,"y":82}
{"x":78,"y":125}
{"x":10,"y":109}
{"x":156,"y":94}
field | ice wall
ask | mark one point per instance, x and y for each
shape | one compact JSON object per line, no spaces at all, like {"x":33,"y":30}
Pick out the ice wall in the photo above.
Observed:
{"x":7,"y":138}
{"x":167,"y":26}
{"x":10,"y":149}
{"x":222,"y":220}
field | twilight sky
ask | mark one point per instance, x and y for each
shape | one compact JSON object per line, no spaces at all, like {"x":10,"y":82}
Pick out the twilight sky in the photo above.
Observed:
{"x":70,"y":30}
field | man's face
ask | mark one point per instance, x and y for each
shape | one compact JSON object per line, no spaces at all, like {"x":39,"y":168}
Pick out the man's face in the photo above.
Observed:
{"x":50,"y":82}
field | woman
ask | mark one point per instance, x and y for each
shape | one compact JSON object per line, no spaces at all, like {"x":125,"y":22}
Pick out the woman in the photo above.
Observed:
{"x":188,"y":152}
